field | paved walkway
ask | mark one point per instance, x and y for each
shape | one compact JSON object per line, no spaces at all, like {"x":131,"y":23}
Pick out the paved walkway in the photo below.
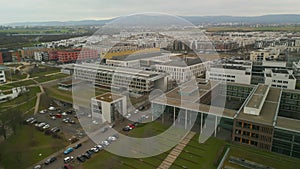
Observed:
{"x":169,"y":160}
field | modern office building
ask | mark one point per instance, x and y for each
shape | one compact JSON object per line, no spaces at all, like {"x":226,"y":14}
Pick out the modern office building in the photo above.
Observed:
{"x":230,"y":71}
{"x":133,"y":80}
{"x":281,"y":78}
{"x":108,"y":107}
{"x":260,"y":116}
{"x":179,"y":67}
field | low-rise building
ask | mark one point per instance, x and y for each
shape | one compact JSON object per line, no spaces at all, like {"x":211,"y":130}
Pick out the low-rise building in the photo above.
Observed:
{"x":2,"y":74}
{"x":108,"y":107}
{"x":121,"y":78}
{"x":281,"y":78}
{"x":233,"y":71}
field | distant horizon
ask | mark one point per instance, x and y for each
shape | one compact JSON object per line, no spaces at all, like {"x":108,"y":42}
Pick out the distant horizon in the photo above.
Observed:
{"x":56,"y":10}
{"x":111,"y":18}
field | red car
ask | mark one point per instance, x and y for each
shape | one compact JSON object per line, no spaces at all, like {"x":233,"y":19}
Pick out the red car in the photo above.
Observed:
{"x":58,"y":115}
{"x":131,"y":126}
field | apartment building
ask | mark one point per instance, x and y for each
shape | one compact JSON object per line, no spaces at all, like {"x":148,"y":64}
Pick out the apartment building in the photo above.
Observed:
{"x":2,"y":74}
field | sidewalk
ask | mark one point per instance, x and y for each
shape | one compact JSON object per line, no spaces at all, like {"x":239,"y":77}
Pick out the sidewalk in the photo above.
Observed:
{"x":169,"y":160}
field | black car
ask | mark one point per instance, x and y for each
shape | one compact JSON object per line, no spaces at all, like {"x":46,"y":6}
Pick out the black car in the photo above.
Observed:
{"x":50,"y":160}
{"x":142,"y":108}
{"x":90,"y":152}
{"x":77,"y":145}
{"x":87,"y":155}
{"x":81,"y":158}
{"x":126,"y":129}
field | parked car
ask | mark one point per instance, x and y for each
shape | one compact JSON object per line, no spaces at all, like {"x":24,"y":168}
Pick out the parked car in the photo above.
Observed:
{"x":99,"y":147}
{"x":77,"y":145}
{"x":105,"y":143}
{"x":37,"y":167}
{"x":104,"y":129}
{"x":90,"y":152}
{"x":73,"y":139}
{"x":58,"y":115}
{"x":127,"y":128}
{"x":95,"y":150}
{"x":128,"y":116}
{"x":81,"y":158}
{"x":41,"y":125}
{"x":68,"y":166}
{"x":50,"y":160}
{"x":131,"y":126}
{"x":68,"y":159}
{"x":46,"y":126}
{"x":33,"y":121}
{"x":141,"y":108}
{"x":112,"y":138}
{"x":87,"y":155}
{"x":69,"y":150}
{"x":29,"y":119}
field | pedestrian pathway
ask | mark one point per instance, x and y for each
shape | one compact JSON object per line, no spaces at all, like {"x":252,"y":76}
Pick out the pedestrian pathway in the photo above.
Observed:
{"x":169,"y":160}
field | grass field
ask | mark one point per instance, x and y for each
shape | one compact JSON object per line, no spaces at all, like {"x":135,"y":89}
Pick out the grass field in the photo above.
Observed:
{"x":43,"y":70}
{"x":23,"y":149}
{"x":23,"y":103}
{"x":45,"y":78}
{"x":196,"y":155}
{"x":16,"y":84}
{"x":274,"y":160}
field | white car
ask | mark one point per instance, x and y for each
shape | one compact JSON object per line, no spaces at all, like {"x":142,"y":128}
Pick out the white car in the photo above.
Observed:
{"x":136,"y":111}
{"x":95,"y":149}
{"x":68,"y":159}
{"x":112,"y":138}
{"x":99,"y":147}
{"x":128,"y":116}
{"x":41,"y":124}
{"x":106,"y":143}
{"x":42,"y":111}
{"x":46,"y":126}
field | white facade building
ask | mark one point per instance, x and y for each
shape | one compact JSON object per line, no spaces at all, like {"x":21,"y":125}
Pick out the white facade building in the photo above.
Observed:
{"x":237,"y":72}
{"x":121,"y":78}
{"x":108,"y":107}
{"x":2,"y":74}
{"x":280,"y":78}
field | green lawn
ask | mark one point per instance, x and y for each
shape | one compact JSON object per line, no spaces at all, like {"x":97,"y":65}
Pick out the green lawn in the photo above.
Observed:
{"x":275,"y":160}
{"x":43,"y":70}
{"x":23,"y":149}
{"x":196,"y":155}
{"x":23,"y":103}
{"x":16,"y":84}
{"x":44,"y":78}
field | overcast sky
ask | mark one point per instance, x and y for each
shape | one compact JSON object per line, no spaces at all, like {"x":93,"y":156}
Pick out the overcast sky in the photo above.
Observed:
{"x":66,"y":10}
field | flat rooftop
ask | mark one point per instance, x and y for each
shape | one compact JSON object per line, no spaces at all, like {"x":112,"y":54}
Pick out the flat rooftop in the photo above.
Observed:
{"x":109,"y":97}
{"x":257,"y":98}
{"x":288,"y":123}
{"x":97,"y":68}
{"x":268,"y":111}
{"x":190,"y":102}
